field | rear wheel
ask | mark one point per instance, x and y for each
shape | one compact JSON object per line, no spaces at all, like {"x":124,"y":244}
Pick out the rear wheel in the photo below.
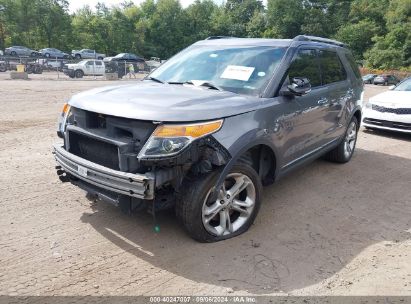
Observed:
{"x":77,"y":56}
{"x":230,"y":214}
{"x":344,"y":151}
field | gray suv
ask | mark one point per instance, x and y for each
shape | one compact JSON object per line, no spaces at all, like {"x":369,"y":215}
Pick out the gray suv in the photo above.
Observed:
{"x":206,"y":130}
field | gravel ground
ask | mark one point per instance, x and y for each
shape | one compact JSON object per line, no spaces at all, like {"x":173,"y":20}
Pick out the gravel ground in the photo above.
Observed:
{"x":324,"y":230}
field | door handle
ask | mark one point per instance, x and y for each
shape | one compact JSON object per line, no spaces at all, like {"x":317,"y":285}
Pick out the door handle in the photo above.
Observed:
{"x":322,"y":101}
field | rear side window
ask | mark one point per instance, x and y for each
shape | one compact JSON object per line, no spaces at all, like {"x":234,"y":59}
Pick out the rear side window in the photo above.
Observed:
{"x":305,"y":64}
{"x":98,"y":63}
{"x":331,"y":67}
{"x":353,"y":65}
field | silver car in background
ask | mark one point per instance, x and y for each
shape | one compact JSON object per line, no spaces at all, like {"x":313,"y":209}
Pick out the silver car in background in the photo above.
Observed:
{"x":20,"y":51}
{"x":87,"y":54}
{"x":53,"y":53}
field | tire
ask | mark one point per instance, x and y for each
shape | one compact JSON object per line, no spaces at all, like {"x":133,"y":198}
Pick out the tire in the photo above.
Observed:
{"x":100,"y":58}
{"x":3,"y":68}
{"x":78,"y":74}
{"x":193,"y":205}
{"x":345,"y":150}
{"x":13,"y":54}
{"x":77,"y":56}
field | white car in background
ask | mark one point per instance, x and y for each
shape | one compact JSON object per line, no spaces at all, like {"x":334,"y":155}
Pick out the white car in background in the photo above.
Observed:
{"x":84,"y":68}
{"x":390,"y":110}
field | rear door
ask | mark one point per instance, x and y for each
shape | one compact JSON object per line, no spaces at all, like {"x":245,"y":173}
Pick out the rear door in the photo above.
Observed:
{"x":340,"y":93}
{"x":99,"y":67}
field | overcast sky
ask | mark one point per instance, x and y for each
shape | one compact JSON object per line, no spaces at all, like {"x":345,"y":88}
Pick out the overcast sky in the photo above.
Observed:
{"x":76,"y":4}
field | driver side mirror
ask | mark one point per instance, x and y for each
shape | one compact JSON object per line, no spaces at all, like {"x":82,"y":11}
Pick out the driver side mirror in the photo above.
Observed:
{"x":299,"y":86}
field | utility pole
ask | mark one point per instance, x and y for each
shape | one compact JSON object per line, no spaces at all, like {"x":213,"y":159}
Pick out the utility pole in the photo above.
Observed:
{"x":2,"y":29}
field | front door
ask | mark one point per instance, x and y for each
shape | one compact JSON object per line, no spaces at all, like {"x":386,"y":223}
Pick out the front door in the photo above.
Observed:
{"x":303,"y":127}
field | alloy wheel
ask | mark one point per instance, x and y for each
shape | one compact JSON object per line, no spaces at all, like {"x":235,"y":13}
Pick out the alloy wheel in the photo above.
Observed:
{"x":233,"y":206}
{"x":350,"y":139}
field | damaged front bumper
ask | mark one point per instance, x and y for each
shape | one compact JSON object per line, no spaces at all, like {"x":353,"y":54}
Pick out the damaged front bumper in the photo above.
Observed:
{"x":140,"y":186}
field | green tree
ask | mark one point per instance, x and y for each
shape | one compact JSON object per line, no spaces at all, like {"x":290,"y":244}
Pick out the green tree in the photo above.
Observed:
{"x":285,"y":18}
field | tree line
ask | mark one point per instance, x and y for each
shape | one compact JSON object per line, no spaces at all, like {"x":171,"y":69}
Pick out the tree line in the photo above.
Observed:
{"x":378,"y":32}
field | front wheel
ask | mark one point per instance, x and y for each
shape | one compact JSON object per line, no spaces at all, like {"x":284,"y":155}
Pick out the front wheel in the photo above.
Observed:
{"x":78,"y":74}
{"x":230,"y":214}
{"x":344,"y":151}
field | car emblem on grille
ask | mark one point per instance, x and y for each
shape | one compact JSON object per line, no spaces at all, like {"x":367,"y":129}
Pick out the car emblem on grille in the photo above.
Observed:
{"x":82,"y":171}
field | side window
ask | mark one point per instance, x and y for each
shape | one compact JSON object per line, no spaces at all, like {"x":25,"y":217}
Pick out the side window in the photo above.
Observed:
{"x":89,"y":63}
{"x":98,"y":63}
{"x":353,"y":65}
{"x":331,"y":67}
{"x":305,"y":64}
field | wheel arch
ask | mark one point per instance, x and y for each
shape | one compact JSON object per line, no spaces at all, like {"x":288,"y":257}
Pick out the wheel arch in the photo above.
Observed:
{"x":357,"y":114}
{"x":258,"y":153}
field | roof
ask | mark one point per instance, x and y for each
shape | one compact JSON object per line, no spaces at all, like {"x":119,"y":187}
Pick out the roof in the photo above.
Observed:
{"x":233,"y":41}
{"x":246,"y":41}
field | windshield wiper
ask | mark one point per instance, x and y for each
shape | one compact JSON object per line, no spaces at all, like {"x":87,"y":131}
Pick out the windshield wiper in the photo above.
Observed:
{"x":203,"y":84}
{"x":155,"y":79}
{"x":211,"y":86}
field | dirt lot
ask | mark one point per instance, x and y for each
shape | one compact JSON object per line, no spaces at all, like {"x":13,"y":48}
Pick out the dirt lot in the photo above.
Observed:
{"x":324,"y":230}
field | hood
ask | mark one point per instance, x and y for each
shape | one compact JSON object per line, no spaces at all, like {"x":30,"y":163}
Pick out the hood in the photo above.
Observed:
{"x":163,"y":102}
{"x":398,"y":98}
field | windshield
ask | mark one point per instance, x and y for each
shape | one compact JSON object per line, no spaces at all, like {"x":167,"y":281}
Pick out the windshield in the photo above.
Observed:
{"x":243,"y":70}
{"x":404,"y":86}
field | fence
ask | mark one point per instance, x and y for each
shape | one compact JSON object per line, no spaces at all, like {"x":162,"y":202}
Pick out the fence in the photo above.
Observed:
{"x":38,"y":65}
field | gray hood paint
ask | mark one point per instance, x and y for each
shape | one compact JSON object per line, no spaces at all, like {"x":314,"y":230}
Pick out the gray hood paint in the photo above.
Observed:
{"x":163,"y":102}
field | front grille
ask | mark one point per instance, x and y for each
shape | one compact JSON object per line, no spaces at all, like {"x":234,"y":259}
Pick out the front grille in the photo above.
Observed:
{"x":398,"y":111}
{"x":94,"y":150}
{"x":388,"y":124}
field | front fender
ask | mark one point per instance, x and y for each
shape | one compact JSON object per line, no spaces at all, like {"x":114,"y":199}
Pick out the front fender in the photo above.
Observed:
{"x":238,"y":135}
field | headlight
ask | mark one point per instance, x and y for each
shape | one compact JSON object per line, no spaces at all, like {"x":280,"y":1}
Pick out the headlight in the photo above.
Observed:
{"x":62,"y":120}
{"x":168,"y":140}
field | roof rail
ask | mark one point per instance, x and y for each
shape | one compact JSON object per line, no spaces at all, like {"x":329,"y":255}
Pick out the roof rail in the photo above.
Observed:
{"x":218,"y":37}
{"x":318,"y":39}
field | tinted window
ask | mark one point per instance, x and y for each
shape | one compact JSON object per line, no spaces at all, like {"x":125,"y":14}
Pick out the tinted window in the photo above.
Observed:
{"x":305,"y":64}
{"x":331,"y":67}
{"x":98,"y":63}
{"x":354,"y":66}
